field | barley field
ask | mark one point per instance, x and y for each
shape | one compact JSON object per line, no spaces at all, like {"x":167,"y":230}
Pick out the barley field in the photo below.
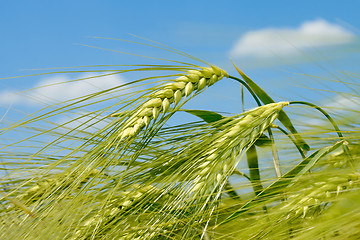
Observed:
{"x":134,"y":167}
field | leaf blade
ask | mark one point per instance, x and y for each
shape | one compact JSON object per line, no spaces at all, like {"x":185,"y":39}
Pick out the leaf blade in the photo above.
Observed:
{"x":286,"y":180}
{"x":207,"y":116}
{"x":266,"y":99}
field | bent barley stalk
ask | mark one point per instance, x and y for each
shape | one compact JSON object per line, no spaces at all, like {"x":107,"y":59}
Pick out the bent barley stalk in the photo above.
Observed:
{"x":196,"y":183}
{"x":173,"y":92}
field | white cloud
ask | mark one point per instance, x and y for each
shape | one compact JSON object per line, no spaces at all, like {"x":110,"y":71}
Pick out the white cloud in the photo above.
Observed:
{"x":344,"y":103}
{"x":58,"y":88}
{"x":287,"y":41}
{"x":9,"y":97}
{"x":343,"y":108}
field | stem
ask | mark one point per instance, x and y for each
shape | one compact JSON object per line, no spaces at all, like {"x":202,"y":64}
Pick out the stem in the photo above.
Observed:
{"x":231,"y":192}
{"x":19,"y":204}
{"x":324,"y":113}
{"x":242,"y":97}
{"x":275,"y":154}
{"x":253,"y":164}
{"x":345,"y":147}
{"x":248,"y":88}
{"x":237,"y":172}
{"x":287,"y":134}
{"x":206,"y":235}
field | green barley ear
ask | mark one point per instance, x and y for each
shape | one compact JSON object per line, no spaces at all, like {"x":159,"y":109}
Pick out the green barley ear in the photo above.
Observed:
{"x":119,"y":204}
{"x":194,"y":184}
{"x":238,"y":135}
{"x":54,"y":186}
{"x":310,"y":201}
{"x":171,"y":94}
{"x":341,"y":221}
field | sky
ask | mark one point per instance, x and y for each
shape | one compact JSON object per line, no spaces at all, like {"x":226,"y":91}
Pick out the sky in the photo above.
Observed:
{"x":275,"y":42}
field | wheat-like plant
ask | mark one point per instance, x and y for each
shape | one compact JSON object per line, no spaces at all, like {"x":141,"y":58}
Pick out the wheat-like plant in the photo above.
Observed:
{"x":195,"y":177}
{"x":52,"y":185}
{"x":310,"y":200}
{"x":218,"y":162}
{"x":136,"y":178}
{"x":171,"y":93}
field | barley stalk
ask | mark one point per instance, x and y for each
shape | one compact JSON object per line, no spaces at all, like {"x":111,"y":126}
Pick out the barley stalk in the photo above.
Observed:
{"x":202,"y":178}
{"x":171,"y":93}
{"x":199,"y":176}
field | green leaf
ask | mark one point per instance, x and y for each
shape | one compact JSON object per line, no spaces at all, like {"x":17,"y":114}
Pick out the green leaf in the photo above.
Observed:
{"x":263,"y":141}
{"x":207,"y":116}
{"x":300,"y":169}
{"x":283,"y":182}
{"x":254,"y":172}
{"x":283,"y":118}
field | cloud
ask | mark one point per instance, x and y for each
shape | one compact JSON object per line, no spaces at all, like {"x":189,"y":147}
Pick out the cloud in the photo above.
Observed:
{"x":270,"y":42}
{"x":9,"y":97}
{"x":344,"y":103}
{"x":59,"y":88}
{"x":343,"y":108}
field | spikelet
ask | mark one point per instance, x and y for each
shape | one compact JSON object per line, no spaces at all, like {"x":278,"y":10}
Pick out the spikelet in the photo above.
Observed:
{"x":116,"y":210}
{"x":205,"y":175}
{"x":216,"y":164}
{"x":210,"y":169}
{"x":172,"y":93}
{"x":320,"y":193}
{"x":53,"y":185}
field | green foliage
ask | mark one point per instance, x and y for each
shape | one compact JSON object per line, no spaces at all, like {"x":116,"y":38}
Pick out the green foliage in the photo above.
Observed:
{"x":127,"y":172}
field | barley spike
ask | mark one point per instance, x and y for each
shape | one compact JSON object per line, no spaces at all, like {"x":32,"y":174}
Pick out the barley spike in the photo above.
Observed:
{"x":172,"y":92}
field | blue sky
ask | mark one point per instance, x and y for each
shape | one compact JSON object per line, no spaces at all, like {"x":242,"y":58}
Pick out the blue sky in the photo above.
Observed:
{"x":269,"y":40}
